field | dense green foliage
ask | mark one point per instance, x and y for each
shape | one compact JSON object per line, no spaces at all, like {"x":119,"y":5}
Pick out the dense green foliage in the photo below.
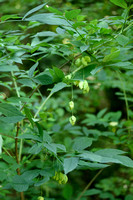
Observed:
{"x":66,"y":100}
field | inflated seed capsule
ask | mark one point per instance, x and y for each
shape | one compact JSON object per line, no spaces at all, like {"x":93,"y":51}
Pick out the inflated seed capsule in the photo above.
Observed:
{"x":87,"y":59}
{"x":84,"y":62}
{"x":81,"y":84}
{"x":78,"y":62}
{"x":65,"y":179}
{"x":71,"y":105}
{"x":72,"y":120}
{"x":40,"y":198}
{"x":68,"y":76}
{"x":86,"y":87}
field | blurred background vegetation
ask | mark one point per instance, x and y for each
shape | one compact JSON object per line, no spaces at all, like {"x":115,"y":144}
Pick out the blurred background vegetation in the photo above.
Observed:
{"x":115,"y":183}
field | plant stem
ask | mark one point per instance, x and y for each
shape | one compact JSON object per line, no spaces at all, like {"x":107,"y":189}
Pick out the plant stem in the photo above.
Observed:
{"x":89,"y":184}
{"x":7,"y":135}
{"x":30,"y":96}
{"x":42,"y":105}
{"x":16,"y":147}
{"x":15,"y":84}
{"x":125,"y":95}
{"x":17,"y":156}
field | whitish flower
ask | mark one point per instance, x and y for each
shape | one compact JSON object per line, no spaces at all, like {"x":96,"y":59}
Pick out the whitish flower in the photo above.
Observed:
{"x":113,"y":123}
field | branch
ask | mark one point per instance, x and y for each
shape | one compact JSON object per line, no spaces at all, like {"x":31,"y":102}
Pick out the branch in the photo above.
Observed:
{"x":31,"y":95}
{"x":89,"y":184}
{"x":7,"y":135}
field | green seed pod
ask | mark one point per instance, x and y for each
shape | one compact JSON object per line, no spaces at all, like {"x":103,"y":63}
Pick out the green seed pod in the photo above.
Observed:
{"x":40,"y":198}
{"x":71,"y":105}
{"x":60,"y":178}
{"x":86,"y":87}
{"x":68,"y":76}
{"x":87,"y":59}
{"x":81,"y":85}
{"x":65,"y":179}
{"x":84,"y":62}
{"x":78,"y":62}
{"x":72,"y":120}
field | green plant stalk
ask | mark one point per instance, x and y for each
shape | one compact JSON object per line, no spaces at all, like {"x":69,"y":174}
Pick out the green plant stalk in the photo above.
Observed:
{"x":18,"y":94}
{"x":40,"y":108}
{"x":89,"y":184}
{"x":18,"y":155}
{"x":125,"y":95}
{"x":15,"y":84}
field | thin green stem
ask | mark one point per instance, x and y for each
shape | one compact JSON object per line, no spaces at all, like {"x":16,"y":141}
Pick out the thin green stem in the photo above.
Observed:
{"x":89,"y":184}
{"x":40,"y":108}
{"x":125,"y":95}
{"x":15,"y":84}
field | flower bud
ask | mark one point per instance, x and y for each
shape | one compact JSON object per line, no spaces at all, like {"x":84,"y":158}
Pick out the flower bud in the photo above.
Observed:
{"x":71,"y":105}
{"x":72,"y":120}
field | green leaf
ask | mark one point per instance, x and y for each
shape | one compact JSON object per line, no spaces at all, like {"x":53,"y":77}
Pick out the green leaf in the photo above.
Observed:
{"x":8,"y":159}
{"x":29,"y":115}
{"x":45,"y":34}
{"x":32,"y":69}
{"x":6,"y":17}
{"x":92,"y":192}
{"x":30,"y":174}
{"x":48,"y":18}
{"x":19,"y":183}
{"x":72,"y":14}
{"x":13,"y":119}
{"x":126,"y":161}
{"x":34,"y":10}
{"x":123,"y":65}
{"x":51,"y":147}
{"x":110,"y":152}
{"x":88,"y":165}
{"x":97,"y":69}
{"x":26,"y":82}
{"x":8,"y":68}
{"x":58,"y":86}
{"x":35,"y":149}
{"x":120,"y":3}
{"x":81,"y":143}
{"x":1,"y":142}
{"x":70,"y":164}
{"x":97,"y":158}
{"x":12,"y":114}
{"x":122,"y":40}
{"x":57,"y":74}
{"x":44,"y":180}
{"x":101,"y":113}
{"x":53,"y":10}
{"x":61,"y":146}
{"x":111,"y":56}
{"x":43,"y":79}
{"x":85,"y":72}
{"x":30,"y":137}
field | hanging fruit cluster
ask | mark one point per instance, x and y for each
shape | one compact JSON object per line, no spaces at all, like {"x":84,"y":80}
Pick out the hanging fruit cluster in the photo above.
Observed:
{"x":60,"y":177}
